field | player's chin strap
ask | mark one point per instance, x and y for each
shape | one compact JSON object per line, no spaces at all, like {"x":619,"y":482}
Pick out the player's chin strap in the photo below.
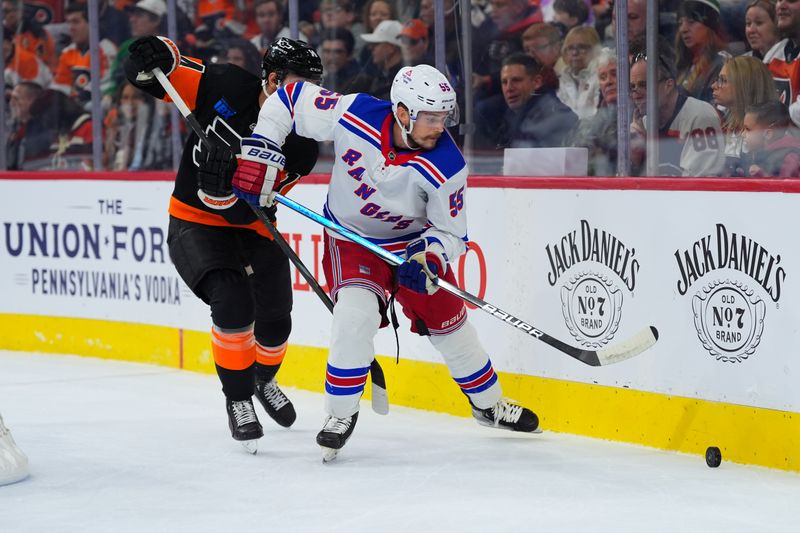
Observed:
{"x":405,"y":133}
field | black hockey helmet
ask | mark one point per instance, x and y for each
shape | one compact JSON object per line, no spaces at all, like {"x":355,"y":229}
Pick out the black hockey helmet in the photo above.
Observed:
{"x":286,"y":56}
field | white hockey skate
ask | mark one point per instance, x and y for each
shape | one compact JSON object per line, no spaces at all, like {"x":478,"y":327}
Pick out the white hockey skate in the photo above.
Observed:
{"x":334,"y":435}
{"x":13,"y":463}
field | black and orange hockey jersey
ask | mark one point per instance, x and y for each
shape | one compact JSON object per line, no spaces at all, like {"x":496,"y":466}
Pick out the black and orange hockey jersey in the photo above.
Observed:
{"x":784,"y":65}
{"x":224,"y":98}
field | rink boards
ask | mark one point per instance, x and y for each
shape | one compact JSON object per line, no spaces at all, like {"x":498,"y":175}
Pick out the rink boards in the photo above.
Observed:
{"x":711,"y":264}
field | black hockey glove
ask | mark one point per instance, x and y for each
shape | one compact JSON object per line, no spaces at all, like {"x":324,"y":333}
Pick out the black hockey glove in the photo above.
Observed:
{"x":216,"y":171}
{"x":147,"y":53}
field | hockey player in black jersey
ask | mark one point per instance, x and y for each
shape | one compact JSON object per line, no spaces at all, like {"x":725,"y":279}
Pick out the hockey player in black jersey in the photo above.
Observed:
{"x":217,"y":244}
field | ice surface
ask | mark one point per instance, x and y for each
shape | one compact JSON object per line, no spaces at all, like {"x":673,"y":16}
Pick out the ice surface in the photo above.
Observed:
{"x":121,"y":447}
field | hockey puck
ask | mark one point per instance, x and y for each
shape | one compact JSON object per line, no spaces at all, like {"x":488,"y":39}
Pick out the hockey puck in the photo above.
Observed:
{"x":713,"y":456}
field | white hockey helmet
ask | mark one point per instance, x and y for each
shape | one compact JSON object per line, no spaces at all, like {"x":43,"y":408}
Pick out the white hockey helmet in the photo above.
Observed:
{"x":423,"y":88}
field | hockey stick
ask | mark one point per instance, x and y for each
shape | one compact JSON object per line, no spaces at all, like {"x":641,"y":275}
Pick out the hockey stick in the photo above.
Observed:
{"x":640,"y":342}
{"x":380,"y":398}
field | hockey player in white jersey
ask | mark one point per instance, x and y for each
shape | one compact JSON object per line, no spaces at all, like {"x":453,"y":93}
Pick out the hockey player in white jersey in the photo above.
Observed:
{"x":399,"y":180}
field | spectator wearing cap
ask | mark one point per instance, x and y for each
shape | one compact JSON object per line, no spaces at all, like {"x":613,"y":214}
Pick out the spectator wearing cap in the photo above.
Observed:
{"x":338,"y":64}
{"x":145,"y":18}
{"x":73,"y":74}
{"x":374,"y":12}
{"x":782,"y":59}
{"x":28,"y":34}
{"x":533,"y":117}
{"x":269,"y":19}
{"x":699,"y":47}
{"x":414,"y":44}
{"x":22,"y":65}
{"x":387,"y":58}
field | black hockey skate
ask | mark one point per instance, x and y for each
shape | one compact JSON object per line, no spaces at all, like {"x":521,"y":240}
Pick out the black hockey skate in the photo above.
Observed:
{"x":275,"y":402}
{"x":244,"y":423}
{"x":507,"y":415}
{"x":334,"y":435}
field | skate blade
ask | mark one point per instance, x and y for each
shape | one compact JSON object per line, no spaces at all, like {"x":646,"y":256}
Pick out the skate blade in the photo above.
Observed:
{"x":251,"y":446}
{"x":486,"y":423}
{"x":328,"y":454}
{"x":380,"y":400}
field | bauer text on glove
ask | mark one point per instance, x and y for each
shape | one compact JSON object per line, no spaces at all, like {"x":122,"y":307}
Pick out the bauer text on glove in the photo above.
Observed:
{"x":255,"y":178}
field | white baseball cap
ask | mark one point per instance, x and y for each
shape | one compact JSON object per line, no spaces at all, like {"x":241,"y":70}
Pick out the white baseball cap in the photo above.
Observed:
{"x":156,"y":7}
{"x":388,"y":31}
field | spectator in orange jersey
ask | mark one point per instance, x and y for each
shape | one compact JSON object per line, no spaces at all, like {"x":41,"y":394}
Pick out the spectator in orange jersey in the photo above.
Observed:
{"x":73,"y":75}
{"x":782,"y":60}
{"x":22,"y":65}
{"x":29,"y":34}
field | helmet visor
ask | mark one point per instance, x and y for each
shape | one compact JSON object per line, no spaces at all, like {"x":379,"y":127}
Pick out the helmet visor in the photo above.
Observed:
{"x":446,"y":119}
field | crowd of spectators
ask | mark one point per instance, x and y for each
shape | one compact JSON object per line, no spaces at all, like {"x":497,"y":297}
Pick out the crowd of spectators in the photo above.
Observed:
{"x":544,"y":74}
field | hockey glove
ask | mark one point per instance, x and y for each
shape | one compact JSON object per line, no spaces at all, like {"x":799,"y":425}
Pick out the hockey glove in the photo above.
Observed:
{"x":216,"y":171}
{"x":255,"y":178}
{"x":147,"y":53}
{"x":426,"y":261}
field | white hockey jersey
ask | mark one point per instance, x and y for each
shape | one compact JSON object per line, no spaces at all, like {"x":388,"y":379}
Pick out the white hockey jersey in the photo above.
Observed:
{"x":387,"y":196}
{"x":692,"y":144}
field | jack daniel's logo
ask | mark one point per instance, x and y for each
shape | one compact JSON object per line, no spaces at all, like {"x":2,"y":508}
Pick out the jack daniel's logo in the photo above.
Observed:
{"x":728,"y":310}
{"x":591,"y":298}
